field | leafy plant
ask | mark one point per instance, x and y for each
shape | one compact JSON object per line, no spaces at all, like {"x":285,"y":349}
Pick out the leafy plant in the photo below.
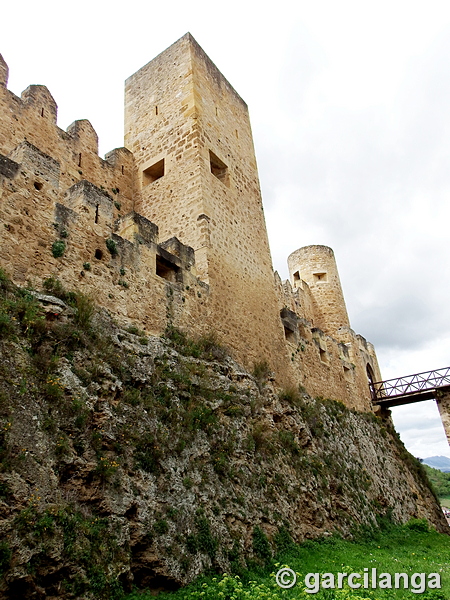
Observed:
{"x":261,"y":544}
{"x":112,"y":247}
{"x":5,"y":556}
{"x":58,"y":248}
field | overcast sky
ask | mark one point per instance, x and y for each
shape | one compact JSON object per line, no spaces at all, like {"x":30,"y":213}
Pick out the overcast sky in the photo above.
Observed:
{"x":349,"y":103}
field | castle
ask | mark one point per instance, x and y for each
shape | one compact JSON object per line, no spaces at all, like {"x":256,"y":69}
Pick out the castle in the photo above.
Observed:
{"x":170,"y":229}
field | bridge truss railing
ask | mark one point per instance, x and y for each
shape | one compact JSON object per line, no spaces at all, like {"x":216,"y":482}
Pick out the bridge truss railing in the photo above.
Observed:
{"x":411,"y":384}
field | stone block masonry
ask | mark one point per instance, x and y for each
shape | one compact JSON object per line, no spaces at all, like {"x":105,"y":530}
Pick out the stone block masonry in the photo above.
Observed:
{"x":170,"y":229}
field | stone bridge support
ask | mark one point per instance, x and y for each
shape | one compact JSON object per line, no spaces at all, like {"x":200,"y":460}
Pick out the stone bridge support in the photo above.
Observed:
{"x":443,"y":404}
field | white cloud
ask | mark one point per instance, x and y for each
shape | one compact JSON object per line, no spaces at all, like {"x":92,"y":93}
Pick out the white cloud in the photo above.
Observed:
{"x":421,"y":429}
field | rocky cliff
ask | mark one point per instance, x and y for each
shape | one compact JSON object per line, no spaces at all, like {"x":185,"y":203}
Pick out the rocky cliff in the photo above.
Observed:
{"x":132,"y":460}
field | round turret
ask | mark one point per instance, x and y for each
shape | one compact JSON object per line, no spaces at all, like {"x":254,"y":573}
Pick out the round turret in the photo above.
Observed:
{"x":316,"y":266}
{"x":3,"y":72}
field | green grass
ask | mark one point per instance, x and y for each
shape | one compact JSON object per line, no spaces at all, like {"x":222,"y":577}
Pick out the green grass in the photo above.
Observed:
{"x":439,"y":480}
{"x":445,"y":501}
{"x":403,"y":549}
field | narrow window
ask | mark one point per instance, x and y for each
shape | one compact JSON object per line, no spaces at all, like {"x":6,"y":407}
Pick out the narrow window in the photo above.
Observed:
{"x":166,"y":270}
{"x":153,"y":173}
{"x":217,"y":112}
{"x":96,"y":213}
{"x":122,"y":169}
{"x":320,"y":277}
{"x":289,"y":335}
{"x":156,"y":110}
{"x":42,"y":112}
{"x":79,"y":160}
{"x":219,"y":169}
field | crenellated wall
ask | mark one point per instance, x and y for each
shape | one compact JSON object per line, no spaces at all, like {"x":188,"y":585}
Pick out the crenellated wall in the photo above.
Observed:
{"x":330,"y":365}
{"x":189,"y":177}
{"x":142,"y":280}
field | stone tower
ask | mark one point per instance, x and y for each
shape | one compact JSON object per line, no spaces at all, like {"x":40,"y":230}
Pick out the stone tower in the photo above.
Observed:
{"x":316,"y":266}
{"x":190,"y":134}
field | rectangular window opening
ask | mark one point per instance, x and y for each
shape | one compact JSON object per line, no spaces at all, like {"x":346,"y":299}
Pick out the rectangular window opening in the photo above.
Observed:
{"x":153,"y":173}
{"x":302,"y":330}
{"x":347,"y":374}
{"x":289,"y":335}
{"x":166,"y":270}
{"x":323,"y":356}
{"x":320,"y":277}
{"x":219,"y":169}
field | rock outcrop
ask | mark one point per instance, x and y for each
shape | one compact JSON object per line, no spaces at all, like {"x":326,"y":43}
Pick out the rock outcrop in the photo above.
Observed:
{"x":134,"y":460}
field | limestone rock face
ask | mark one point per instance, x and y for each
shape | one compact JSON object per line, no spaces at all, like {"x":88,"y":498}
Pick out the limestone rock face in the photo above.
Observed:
{"x":128,"y":459}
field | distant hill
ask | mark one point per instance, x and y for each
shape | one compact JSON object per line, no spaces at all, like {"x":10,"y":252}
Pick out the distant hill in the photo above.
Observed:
{"x":442,"y":463}
{"x":439,"y":480}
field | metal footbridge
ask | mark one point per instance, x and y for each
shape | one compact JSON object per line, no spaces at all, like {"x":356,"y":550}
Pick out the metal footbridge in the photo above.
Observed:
{"x":409,"y":389}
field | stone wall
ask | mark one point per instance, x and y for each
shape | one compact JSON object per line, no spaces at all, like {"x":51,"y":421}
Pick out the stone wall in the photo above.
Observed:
{"x":182,"y":208}
{"x":181,"y":110}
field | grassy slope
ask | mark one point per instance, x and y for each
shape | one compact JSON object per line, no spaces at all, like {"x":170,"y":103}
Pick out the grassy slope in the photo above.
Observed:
{"x":439,"y":480}
{"x":400,"y":549}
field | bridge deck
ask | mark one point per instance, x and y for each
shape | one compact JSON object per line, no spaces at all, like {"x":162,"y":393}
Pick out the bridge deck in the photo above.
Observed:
{"x":410,"y":389}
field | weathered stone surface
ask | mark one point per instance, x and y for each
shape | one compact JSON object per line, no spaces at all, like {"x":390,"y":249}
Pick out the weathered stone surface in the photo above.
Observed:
{"x":131,"y":430}
{"x":443,"y":404}
{"x":8,"y":168}
{"x":181,"y":210}
{"x":156,"y":446}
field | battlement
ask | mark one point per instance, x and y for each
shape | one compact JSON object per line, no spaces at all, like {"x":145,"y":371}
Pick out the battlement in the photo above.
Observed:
{"x":188,"y":177}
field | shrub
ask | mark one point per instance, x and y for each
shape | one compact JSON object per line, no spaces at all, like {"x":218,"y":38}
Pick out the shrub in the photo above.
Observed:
{"x":106,"y":467}
{"x":261,"y":438}
{"x":201,"y":417}
{"x":287,"y":441}
{"x":58,"y":248}
{"x":112,"y":247}
{"x":4,"y":279}
{"x":5,"y":556}
{"x":261,"y":370}
{"x":55,"y":287}
{"x":161,"y":527}
{"x":291,"y":395}
{"x":418,"y":525}
{"x":205,"y":540}
{"x":206,"y":347}
{"x":210,"y":347}
{"x":85,"y":308}
{"x":133,"y":330}
{"x":283,"y":540}
{"x":261,"y":544}
{"x":7,"y":326}
{"x":148,"y":454}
